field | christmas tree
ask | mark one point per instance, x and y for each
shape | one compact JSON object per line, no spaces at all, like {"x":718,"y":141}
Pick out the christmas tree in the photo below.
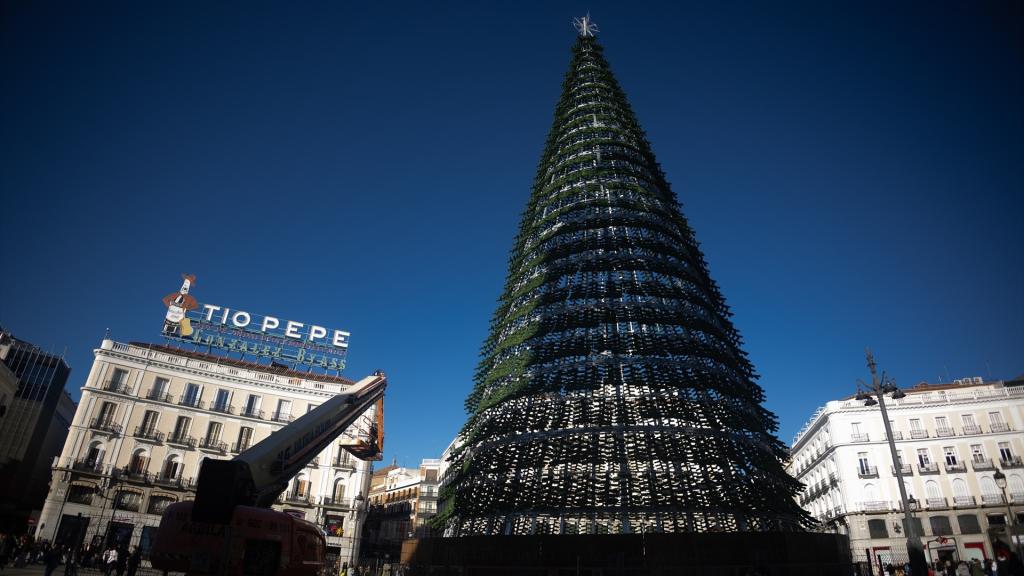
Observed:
{"x":613,"y":395}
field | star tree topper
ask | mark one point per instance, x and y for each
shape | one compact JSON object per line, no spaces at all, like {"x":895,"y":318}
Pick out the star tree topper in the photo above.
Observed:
{"x":585,"y":26}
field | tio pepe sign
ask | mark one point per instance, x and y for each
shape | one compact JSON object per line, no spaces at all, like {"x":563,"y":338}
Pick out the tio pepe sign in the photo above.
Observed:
{"x":220,"y":327}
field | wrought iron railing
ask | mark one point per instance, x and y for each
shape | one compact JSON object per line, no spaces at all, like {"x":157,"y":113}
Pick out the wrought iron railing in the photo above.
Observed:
{"x":148,"y":433}
{"x":182,"y":439}
{"x":105,"y":425}
{"x":213,"y":444}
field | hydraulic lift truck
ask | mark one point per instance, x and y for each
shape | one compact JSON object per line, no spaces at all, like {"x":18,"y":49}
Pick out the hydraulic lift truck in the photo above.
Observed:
{"x":230,"y":529}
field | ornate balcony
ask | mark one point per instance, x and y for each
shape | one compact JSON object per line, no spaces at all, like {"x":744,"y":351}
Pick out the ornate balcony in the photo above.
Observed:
{"x":991,"y":499}
{"x":258,"y":414}
{"x":213,"y":445}
{"x":182,"y":440}
{"x":282,"y":417}
{"x":983,"y":464}
{"x":1000,"y":427}
{"x":300,"y":499}
{"x":238,"y":448}
{"x":955,"y":467}
{"x":344,"y":503}
{"x":918,"y":434}
{"x":191,"y":402}
{"x":171,"y":480}
{"x":105,"y":425}
{"x":1017,"y":497}
{"x":876,"y":506}
{"x":972,"y":429}
{"x":223,"y":408}
{"x":905,"y":470}
{"x":963,"y":501}
{"x":89,"y":466}
{"x":343,"y":460}
{"x":150,"y":433}
{"x":1013,"y":462}
{"x":945,"y":432}
{"x":936,"y":503}
{"x":116,"y":386}
{"x":867,"y":471}
{"x":929,"y":468}
{"x":897,"y":435}
{"x":129,"y":475}
{"x":160,"y":396}
{"x":860,"y":438}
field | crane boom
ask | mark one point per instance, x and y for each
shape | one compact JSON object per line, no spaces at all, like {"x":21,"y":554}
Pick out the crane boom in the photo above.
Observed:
{"x":257,"y":476}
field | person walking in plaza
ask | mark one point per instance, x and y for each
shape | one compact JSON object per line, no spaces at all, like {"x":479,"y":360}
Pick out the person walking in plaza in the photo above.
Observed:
{"x":109,"y":560}
{"x":122,"y":561}
{"x":51,"y":559}
{"x":134,"y":560}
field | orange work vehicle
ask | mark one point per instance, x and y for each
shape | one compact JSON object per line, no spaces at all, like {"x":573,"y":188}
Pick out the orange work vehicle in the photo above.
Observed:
{"x":230,"y":528}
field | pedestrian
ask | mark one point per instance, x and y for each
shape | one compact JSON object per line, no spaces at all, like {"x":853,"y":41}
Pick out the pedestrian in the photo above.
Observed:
{"x":6,"y":548}
{"x":51,"y":558}
{"x":109,"y":560}
{"x":134,"y":560}
{"x":122,"y":561}
{"x":71,"y":562}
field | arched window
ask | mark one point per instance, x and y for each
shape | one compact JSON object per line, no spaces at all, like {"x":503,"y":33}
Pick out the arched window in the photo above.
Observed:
{"x":1015,"y":486}
{"x":172,"y":468}
{"x":139,"y":462}
{"x":988,"y":486}
{"x":960,"y":489}
{"x":94,"y":457}
{"x":301,"y":486}
{"x":931,"y":490}
{"x":870,"y":493}
{"x":339,"y":490}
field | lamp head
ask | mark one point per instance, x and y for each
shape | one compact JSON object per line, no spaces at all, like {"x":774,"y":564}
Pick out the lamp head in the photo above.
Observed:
{"x":897,"y":394}
{"x":1000,"y":479}
{"x":870,"y":401}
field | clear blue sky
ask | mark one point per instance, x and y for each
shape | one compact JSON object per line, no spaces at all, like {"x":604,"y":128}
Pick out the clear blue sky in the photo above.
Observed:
{"x":854,"y":171}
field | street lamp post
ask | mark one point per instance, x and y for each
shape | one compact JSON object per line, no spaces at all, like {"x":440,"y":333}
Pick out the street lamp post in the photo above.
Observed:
{"x":1011,"y":523}
{"x":878,"y":389}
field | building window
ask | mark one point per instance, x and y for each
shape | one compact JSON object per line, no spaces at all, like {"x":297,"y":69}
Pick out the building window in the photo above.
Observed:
{"x":915,"y":424}
{"x":191,"y":396}
{"x":1005,"y":454}
{"x":996,"y":422}
{"x":252,"y":405}
{"x":339,"y":490}
{"x":159,"y":388}
{"x":950,"y":455}
{"x":94,"y":457}
{"x":172,"y":468}
{"x":222,"y":400}
{"x":139,"y":462}
{"x":158,"y":504}
{"x":107,"y":411}
{"x":878,"y":529}
{"x":149,"y":421}
{"x":941,"y":422}
{"x":213,"y":432}
{"x":863,"y":463}
{"x":118,"y":379}
{"x":301,"y":486}
{"x":244,"y":439}
{"x":941,"y":526}
{"x":923,"y":457}
{"x":968,"y":524}
{"x":127,"y":500}
{"x":284,"y":410}
{"x":181,"y":427}
{"x":977,"y":453}
{"x":80,"y":494}
{"x":969,"y":423}
{"x":311,"y":407}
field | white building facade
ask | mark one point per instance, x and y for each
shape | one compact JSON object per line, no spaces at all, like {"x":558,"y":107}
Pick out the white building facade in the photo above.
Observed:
{"x":150,"y":414}
{"x":950,"y":440}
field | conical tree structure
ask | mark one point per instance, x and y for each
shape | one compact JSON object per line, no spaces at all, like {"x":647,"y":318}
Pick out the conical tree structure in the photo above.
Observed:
{"x":613,"y":395}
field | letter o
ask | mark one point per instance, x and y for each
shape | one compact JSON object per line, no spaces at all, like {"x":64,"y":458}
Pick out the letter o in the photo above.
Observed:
{"x":238,"y":323}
